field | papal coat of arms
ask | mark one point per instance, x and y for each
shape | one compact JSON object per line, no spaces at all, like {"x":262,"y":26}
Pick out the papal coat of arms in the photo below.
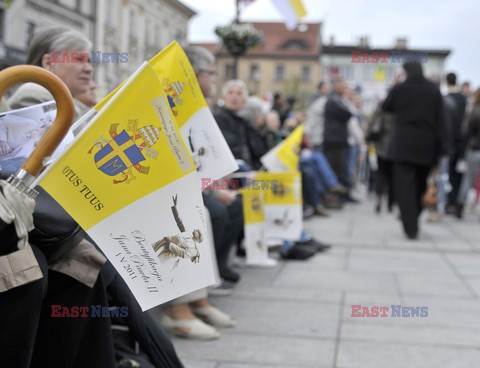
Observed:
{"x":174,"y":91}
{"x":126,"y":151}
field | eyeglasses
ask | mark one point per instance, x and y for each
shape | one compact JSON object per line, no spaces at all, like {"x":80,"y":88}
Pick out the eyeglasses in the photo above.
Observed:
{"x":211,"y":73}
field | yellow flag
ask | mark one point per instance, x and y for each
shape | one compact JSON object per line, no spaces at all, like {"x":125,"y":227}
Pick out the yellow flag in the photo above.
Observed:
{"x":179,"y":82}
{"x":284,"y":189}
{"x":206,"y":143}
{"x":177,"y":79}
{"x":130,"y":149}
{"x":252,"y":206}
{"x":289,"y":151}
{"x":131,"y":184}
{"x":283,"y":205}
{"x":292,"y":11}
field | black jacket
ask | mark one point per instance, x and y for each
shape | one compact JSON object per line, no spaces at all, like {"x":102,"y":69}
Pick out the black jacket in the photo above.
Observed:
{"x":245,"y":142}
{"x":459,"y":104}
{"x":419,"y":133}
{"x":472,"y":137}
{"x":337,"y":116}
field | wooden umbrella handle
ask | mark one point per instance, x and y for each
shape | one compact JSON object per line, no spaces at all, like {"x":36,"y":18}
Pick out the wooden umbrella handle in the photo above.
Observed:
{"x":65,"y":109}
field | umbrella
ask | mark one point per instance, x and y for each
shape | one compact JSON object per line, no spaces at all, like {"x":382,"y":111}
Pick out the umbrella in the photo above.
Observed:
{"x":17,"y":201}
{"x":20,"y":301}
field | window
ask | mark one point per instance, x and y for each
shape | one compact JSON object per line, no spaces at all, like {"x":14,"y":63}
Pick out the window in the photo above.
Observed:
{"x":295,"y":45}
{"x":254,"y":72}
{"x":180,"y":36}
{"x":30,"y":31}
{"x":368,"y":72}
{"x":131,"y":23}
{"x":333,"y":72}
{"x":347,"y":72}
{"x":157,"y":37}
{"x":109,"y":12}
{"x":280,"y":73}
{"x":229,"y":72}
{"x":390,"y":73}
{"x":2,"y":23}
{"x":306,"y":73}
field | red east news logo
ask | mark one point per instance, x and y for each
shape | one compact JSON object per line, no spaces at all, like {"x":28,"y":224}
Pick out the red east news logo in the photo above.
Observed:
{"x":401,"y":57}
{"x":91,"y":311}
{"x":382,"y":311}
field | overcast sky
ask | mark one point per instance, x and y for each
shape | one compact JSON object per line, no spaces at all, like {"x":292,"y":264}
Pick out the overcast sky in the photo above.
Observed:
{"x":441,"y":24}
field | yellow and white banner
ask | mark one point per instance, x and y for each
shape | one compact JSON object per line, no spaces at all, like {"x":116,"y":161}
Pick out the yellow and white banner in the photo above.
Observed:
{"x":291,"y":10}
{"x":254,"y":225}
{"x":285,"y":156}
{"x":283,"y":205}
{"x":131,"y":184}
{"x":211,"y":153}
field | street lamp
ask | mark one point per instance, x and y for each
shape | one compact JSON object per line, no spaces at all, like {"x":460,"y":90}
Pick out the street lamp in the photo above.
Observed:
{"x":238,"y":38}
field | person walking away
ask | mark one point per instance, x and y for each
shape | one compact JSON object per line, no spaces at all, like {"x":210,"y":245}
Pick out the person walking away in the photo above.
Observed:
{"x":418,"y":138}
{"x":459,"y":101}
{"x":471,"y":145}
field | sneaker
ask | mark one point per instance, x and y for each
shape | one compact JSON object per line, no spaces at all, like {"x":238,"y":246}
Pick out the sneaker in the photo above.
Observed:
{"x":229,"y":275}
{"x":297,"y":252}
{"x":339,"y":189}
{"x":224,"y":289}
{"x":308,"y":212}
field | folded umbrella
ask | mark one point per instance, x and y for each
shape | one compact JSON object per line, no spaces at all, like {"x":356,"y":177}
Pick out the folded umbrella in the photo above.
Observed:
{"x":17,"y":194}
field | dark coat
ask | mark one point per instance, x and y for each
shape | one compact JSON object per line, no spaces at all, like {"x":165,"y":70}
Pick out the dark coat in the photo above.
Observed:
{"x":245,"y":142}
{"x":459,"y":103}
{"x":337,"y":116}
{"x":472,"y":137}
{"x":419,"y":132}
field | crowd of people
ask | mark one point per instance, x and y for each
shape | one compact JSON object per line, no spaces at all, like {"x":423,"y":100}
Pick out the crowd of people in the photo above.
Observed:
{"x":426,"y":147}
{"x":412,"y":132}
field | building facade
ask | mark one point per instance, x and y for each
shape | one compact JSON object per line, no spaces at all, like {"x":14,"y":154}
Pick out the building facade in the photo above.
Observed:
{"x":140,"y":28}
{"x":287,"y":62}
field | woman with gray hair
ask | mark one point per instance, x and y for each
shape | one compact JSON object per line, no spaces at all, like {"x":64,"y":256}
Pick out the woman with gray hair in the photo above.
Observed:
{"x":46,"y":50}
{"x":244,"y":140}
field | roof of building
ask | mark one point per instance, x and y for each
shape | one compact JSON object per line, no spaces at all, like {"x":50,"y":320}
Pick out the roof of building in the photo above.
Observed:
{"x":183,"y":7}
{"x":304,"y":41}
{"x":347,"y":50}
